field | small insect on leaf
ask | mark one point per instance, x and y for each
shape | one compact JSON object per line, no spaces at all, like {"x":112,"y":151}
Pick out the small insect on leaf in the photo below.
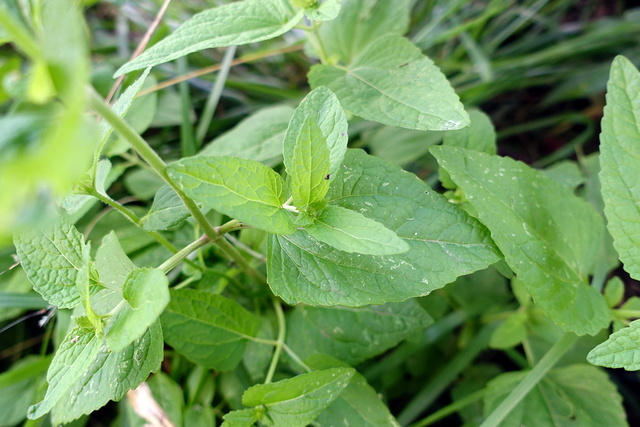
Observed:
{"x":327,"y":176}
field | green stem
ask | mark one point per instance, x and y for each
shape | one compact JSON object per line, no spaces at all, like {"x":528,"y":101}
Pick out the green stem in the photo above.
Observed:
{"x":451,"y":409}
{"x":214,"y":96}
{"x":316,"y":42}
{"x":282,"y":331}
{"x":627,"y":314}
{"x":296,"y":358}
{"x":538,"y":372}
{"x":150,"y":156}
{"x":169,"y":264}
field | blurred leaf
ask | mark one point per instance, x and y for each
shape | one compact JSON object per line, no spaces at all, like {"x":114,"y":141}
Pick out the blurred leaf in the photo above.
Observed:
{"x":18,"y":387}
{"x":511,"y":332}
{"x":258,"y":137}
{"x":614,"y":291}
{"x":401,"y":146}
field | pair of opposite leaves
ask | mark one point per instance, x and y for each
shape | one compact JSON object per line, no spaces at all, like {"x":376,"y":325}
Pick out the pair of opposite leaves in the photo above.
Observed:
{"x":314,"y":146}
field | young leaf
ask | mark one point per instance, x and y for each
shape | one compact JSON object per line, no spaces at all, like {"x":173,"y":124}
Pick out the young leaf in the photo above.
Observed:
{"x":620,"y":162}
{"x":325,"y":11}
{"x":444,"y":242}
{"x":511,"y":332}
{"x":74,"y":356}
{"x":358,"y":405}
{"x":111,"y":375}
{"x":297,"y":401}
{"x":359,"y":23}
{"x":146,"y":292}
{"x":112,"y":263}
{"x":323,"y":108}
{"x":258,"y":137}
{"x":52,"y":257}
{"x":580,"y":395}
{"x":349,"y":231}
{"x":240,"y":188}
{"x":207,"y":328}
{"x":620,"y":350}
{"x":306,"y":157}
{"x":393,"y":83}
{"x":540,"y":228}
{"x":167,"y":211}
{"x":353,"y":335}
{"x":237,"y":23}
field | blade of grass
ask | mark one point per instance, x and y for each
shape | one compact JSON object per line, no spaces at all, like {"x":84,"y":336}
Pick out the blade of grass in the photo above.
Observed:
{"x":187,"y":139}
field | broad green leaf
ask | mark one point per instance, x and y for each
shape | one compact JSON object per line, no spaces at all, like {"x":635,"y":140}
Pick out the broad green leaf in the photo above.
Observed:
{"x":620,"y":350}
{"x":207,"y":328}
{"x":240,"y":188}
{"x":237,"y":23}
{"x":146,"y":292}
{"x":349,"y":231}
{"x":52,"y":257}
{"x":111,"y":375}
{"x":325,"y":11}
{"x":74,"y":356}
{"x":112,"y":263}
{"x":540,"y":228}
{"x":18,"y":387}
{"x":479,"y":135}
{"x":353,"y":334}
{"x":306,"y":157}
{"x":576,"y":395}
{"x":401,"y":146}
{"x":167,"y":211}
{"x":359,"y":23}
{"x":444,"y":242}
{"x":357,"y":405}
{"x":323,"y":108}
{"x":393,"y":83}
{"x":620,"y":162}
{"x":258,"y":137}
{"x":297,"y":401}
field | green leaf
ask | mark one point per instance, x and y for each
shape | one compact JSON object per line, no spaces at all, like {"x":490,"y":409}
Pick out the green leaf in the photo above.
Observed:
{"x":169,"y":395}
{"x":258,"y":137}
{"x":400,"y":146}
{"x":566,"y":173}
{"x":52,"y":258}
{"x":444,"y":242}
{"x":511,"y":332}
{"x":167,"y":211}
{"x":297,"y":401}
{"x":614,"y":291}
{"x":240,"y":188}
{"x":323,"y":108}
{"x":393,"y":83}
{"x":620,"y":162}
{"x":242,"y":418}
{"x":353,"y":334}
{"x":620,"y":350}
{"x":237,"y":23}
{"x":325,"y":11}
{"x":306,"y":157}
{"x":350,"y":231}
{"x":146,"y":292}
{"x":112,"y":263}
{"x":18,"y":387}
{"x":74,"y":356}
{"x":479,"y":135}
{"x":539,"y":227}
{"x":359,"y":23}
{"x":358,"y":405}
{"x":576,"y":395}
{"x":111,"y":375}
{"x":207,"y":328}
